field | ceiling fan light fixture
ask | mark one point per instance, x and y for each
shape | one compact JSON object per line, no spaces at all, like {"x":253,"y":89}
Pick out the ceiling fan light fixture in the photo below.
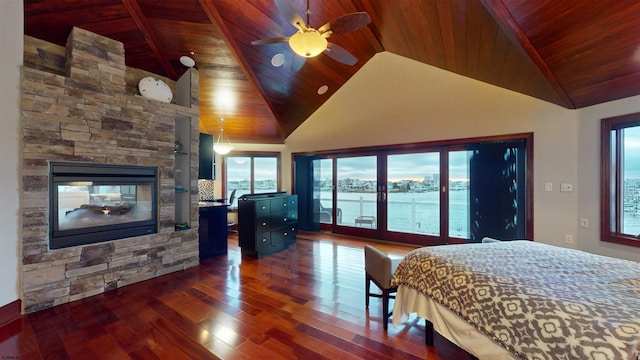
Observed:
{"x":308,"y":43}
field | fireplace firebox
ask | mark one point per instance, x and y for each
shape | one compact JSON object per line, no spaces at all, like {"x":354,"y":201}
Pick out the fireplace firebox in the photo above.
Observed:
{"x":91,"y":203}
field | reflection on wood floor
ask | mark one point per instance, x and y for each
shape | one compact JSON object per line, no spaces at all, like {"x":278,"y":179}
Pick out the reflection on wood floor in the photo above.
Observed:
{"x":306,"y":302}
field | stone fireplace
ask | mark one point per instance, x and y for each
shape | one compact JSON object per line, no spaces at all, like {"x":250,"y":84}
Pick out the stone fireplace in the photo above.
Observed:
{"x":80,"y":105}
{"x":92,"y":203}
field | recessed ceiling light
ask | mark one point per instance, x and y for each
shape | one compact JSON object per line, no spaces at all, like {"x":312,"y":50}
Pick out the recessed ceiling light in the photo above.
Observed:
{"x":322,"y":89}
{"x":277,"y":60}
{"x":187,"y":61}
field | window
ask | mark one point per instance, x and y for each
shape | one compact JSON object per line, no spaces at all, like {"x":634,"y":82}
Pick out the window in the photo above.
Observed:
{"x":620,"y":180}
{"x":251,"y":174}
{"x":413,"y":197}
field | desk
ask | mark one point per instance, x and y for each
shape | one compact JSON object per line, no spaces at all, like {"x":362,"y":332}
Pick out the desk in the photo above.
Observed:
{"x":213,"y":200}
{"x":366,"y":220}
{"x":213,"y":229}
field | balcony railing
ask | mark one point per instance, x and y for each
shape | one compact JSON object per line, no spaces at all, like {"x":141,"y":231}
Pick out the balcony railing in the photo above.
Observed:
{"x":409,"y":215}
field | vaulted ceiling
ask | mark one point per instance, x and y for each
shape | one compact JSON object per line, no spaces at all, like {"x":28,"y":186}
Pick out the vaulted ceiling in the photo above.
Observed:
{"x":573,"y":53}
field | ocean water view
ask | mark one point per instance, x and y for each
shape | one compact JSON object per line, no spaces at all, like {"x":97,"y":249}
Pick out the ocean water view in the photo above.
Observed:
{"x":411,"y":212}
{"x":419,"y":212}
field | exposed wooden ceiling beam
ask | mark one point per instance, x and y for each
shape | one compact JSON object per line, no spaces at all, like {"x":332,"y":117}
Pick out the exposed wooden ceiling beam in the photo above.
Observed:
{"x":505,"y":20}
{"x":146,"y":30}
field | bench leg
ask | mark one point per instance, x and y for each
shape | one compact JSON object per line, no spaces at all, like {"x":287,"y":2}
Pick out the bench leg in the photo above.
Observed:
{"x":428,"y":332}
{"x":367,"y":290}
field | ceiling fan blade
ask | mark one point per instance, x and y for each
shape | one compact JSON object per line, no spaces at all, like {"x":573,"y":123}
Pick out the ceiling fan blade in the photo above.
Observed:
{"x":346,"y":23}
{"x":339,"y":54}
{"x":290,"y":13}
{"x":270,"y":40}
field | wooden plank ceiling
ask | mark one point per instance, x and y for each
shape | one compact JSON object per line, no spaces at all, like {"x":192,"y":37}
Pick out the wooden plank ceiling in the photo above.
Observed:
{"x":573,"y":53}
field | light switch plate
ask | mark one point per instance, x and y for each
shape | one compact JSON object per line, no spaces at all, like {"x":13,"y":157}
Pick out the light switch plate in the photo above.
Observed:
{"x":566,"y":187}
{"x":584,"y":222}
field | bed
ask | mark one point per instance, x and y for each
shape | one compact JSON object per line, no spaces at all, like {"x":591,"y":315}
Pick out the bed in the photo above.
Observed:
{"x":523,"y":300}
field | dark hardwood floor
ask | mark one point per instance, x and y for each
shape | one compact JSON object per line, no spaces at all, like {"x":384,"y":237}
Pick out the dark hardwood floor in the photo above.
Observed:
{"x":306,"y":302}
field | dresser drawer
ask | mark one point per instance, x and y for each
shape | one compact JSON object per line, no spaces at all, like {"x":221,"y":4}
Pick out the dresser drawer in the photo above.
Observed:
{"x":292,"y":201}
{"x":262,"y":208}
{"x":279,"y":204}
{"x":283,"y":219}
{"x":269,"y":243}
{"x":286,"y":234}
{"x":263,"y":242}
{"x":291,"y":233}
{"x":263,"y":224}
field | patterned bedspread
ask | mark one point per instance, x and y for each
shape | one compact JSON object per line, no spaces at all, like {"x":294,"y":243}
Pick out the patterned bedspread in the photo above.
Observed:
{"x":538,"y":301}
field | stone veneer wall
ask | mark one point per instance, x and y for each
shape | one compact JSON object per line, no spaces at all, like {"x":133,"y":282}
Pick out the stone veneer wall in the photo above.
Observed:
{"x":87,"y":115}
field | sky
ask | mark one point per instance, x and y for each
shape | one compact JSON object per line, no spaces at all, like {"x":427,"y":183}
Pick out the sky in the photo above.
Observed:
{"x":239,"y":168}
{"x":632,"y":153}
{"x":417,"y":166}
{"x":400,"y":167}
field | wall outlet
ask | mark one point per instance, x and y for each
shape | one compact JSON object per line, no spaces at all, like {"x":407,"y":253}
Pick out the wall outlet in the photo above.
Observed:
{"x":568,"y":239}
{"x":548,"y":186}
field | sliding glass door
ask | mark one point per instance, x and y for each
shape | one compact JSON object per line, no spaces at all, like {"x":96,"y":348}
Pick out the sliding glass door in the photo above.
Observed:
{"x":428,"y":195}
{"x":357,"y":193}
{"x":413,"y":193}
{"x":323,"y":192}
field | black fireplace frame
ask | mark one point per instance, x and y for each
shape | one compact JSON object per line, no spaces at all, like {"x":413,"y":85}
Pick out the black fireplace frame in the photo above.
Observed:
{"x":101,"y":174}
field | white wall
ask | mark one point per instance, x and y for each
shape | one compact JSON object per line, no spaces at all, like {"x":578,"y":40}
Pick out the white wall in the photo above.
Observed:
{"x":11,"y":25}
{"x":394,"y":100}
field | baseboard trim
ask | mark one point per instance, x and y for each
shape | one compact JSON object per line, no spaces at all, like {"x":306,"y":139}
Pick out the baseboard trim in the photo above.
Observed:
{"x":10,"y":312}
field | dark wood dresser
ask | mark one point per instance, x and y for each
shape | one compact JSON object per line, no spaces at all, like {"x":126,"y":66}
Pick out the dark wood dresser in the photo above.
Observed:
{"x":267,"y":223}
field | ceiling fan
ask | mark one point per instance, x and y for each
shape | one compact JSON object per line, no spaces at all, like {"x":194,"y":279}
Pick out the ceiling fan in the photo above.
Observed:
{"x":309,"y":42}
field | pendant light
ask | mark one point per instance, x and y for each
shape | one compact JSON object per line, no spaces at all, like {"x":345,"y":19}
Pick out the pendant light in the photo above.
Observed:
{"x":223,"y":145}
